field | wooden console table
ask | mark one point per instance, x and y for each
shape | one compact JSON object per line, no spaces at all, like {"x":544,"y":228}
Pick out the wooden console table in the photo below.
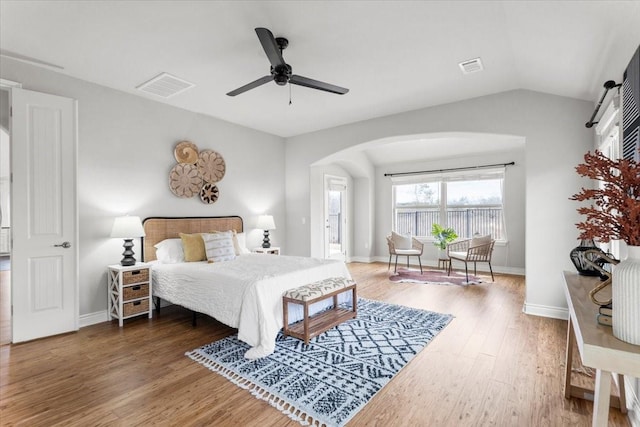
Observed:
{"x":598,"y":348}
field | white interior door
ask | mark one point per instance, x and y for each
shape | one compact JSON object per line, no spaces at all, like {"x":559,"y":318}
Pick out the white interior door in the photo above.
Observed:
{"x":335,"y":218}
{"x":44,"y":277}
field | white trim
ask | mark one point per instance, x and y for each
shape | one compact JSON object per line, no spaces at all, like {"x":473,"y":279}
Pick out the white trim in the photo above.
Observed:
{"x":633,"y":401}
{"x":366,"y":260}
{"x":94,"y":318}
{"x":4,"y":83}
{"x":608,"y":116}
{"x":546,"y":311}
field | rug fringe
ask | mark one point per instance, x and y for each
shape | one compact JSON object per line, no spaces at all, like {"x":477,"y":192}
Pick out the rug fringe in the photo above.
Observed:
{"x":277,"y":402}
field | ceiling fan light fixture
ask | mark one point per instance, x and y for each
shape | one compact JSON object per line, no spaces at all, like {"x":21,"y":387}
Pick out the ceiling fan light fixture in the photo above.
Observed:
{"x":281,"y":72}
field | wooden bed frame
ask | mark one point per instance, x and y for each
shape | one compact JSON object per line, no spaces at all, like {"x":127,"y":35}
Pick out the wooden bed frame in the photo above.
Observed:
{"x":158,"y":229}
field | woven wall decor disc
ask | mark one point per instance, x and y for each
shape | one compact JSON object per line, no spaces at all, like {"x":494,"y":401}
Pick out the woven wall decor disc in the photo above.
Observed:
{"x":211,"y":166}
{"x":186,"y":152}
{"x":209,"y":193}
{"x":184,"y":180}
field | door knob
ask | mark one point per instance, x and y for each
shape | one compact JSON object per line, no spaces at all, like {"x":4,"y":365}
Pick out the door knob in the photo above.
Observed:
{"x":65,"y":245}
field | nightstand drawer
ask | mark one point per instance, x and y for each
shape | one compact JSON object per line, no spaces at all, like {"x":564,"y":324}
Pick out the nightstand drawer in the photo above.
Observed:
{"x":134,"y":292}
{"x":135,"y":276}
{"x":135,"y":307}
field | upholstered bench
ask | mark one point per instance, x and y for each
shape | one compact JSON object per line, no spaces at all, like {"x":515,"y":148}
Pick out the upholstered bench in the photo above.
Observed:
{"x":306,"y":295}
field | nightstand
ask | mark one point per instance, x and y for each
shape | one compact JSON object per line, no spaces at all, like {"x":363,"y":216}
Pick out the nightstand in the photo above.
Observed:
{"x":129,"y":291}
{"x":273,"y":250}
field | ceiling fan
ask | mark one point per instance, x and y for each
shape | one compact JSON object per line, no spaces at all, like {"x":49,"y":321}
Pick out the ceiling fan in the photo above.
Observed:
{"x":281,"y":72}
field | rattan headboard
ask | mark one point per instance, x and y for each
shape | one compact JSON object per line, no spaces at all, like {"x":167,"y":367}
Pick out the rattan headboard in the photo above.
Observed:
{"x":159,"y":228}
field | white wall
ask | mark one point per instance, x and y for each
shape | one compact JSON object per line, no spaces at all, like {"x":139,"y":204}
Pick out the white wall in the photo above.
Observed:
{"x":125,"y":153}
{"x":556,"y":139}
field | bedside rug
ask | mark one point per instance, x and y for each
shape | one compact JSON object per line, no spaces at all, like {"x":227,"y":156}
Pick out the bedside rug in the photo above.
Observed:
{"x":437,"y":277}
{"x":332,"y":378}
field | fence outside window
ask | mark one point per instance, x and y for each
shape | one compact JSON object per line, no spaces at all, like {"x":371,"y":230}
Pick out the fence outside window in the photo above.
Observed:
{"x":466,"y":221}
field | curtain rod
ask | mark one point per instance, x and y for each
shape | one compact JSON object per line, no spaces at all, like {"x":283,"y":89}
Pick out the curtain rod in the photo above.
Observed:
{"x":609,"y":84}
{"x":449,"y":170}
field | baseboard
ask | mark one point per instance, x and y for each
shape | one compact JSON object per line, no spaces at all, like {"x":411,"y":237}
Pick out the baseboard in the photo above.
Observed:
{"x":633,"y":400}
{"x":93,"y":318}
{"x":482,"y":267}
{"x":546,"y":311}
{"x":366,"y":260}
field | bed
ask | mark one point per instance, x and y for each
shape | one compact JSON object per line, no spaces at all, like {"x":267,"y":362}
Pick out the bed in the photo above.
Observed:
{"x":245,"y":292}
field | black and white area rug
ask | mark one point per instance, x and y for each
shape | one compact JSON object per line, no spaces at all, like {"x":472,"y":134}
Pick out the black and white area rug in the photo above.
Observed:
{"x":328,"y":381}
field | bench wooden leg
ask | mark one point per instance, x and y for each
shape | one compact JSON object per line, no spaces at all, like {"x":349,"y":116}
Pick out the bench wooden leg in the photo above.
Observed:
{"x":285,"y":317}
{"x":306,"y":323}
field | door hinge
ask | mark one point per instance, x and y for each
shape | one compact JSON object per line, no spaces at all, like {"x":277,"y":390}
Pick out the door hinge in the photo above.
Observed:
{"x":10,"y":111}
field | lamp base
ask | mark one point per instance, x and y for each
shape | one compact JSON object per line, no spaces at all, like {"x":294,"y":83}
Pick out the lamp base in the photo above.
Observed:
{"x":128,"y":258}
{"x":265,"y":241}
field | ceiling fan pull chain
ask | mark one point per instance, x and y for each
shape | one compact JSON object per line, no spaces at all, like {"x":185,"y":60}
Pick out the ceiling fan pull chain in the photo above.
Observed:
{"x":289,"y":94}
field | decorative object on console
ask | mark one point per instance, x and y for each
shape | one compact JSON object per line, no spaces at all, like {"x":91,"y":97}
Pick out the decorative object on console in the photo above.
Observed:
{"x":597,"y":260}
{"x":266,"y":223}
{"x":583,"y":256}
{"x":626,"y":297}
{"x":186,"y":152}
{"x":615,"y":214}
{"x":127,"y":228}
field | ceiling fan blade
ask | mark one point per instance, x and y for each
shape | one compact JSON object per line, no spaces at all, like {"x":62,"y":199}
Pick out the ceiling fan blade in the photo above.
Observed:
{"x":249,"y":86}
{"x":315,"y":84}
{"x":270,"y":47}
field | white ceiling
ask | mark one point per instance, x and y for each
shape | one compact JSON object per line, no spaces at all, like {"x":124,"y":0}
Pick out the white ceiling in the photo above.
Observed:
{"x":393,"y":56}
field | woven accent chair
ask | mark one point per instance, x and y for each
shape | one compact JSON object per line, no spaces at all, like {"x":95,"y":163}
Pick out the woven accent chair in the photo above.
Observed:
{"x":416,"y":250}
{"x":477,"y":249}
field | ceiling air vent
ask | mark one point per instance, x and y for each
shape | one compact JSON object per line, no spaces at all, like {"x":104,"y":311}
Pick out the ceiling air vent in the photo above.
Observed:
{"x":471,"y":66}
{"x":165,"y":85}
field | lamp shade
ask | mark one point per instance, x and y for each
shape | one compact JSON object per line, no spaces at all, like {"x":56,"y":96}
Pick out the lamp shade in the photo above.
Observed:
{"x":127,"y":227}
{"x":265,"y":222}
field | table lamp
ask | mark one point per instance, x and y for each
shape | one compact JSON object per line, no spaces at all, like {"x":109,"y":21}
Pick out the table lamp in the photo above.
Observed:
{"x":265,"y":222}
{"x":127,"y":228}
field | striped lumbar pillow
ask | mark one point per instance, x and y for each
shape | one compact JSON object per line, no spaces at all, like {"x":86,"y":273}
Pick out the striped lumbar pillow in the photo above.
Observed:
{"x":219,"y":246}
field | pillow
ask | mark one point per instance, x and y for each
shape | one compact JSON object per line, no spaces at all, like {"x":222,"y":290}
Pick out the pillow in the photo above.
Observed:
{"x":193,"y":247}
{"x":169,"y":251}
{"x":480,"y":240}
{"x":219,"y":246}
{"x":400,"y":241}
{"x":240,"y":243}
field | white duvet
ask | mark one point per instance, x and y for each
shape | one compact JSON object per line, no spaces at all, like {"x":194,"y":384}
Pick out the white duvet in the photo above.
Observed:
{"x":245,"y":293}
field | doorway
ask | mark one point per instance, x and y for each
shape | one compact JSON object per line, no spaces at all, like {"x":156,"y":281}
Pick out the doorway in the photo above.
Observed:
{"x":335,"y":217}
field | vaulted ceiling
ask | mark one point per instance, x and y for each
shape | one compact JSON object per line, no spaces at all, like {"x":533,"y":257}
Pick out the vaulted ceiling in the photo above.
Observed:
{"x":394,"y":56}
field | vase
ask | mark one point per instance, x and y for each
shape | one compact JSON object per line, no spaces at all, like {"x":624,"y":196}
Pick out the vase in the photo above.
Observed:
{"x":579,"y":258}
{"x":626,"y":297}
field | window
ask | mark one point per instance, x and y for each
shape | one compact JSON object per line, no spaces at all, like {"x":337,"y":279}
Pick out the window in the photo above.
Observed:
{"x":468,"y":203}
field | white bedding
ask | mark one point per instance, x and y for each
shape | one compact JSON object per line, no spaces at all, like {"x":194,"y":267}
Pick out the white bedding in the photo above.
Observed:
{"x":245,"y":293}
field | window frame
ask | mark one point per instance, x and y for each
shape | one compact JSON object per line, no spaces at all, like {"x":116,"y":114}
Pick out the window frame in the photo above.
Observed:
{"x":443,"y":207}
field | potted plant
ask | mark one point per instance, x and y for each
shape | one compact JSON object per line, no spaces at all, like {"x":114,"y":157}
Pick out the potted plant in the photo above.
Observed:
{"x":614,"y":214}
{"x":442,"y":236}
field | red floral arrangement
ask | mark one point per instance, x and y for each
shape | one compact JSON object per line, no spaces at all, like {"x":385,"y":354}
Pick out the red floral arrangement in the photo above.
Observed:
{"x":615,"y":212}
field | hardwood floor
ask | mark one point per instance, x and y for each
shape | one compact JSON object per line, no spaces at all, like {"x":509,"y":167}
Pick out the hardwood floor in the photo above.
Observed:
{"x":493,"y":365}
